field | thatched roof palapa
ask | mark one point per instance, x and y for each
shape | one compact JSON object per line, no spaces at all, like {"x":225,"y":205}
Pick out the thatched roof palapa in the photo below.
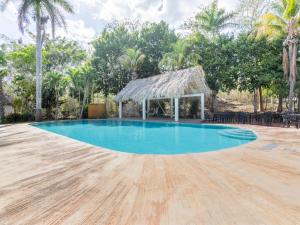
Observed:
{"x":172,"y":84}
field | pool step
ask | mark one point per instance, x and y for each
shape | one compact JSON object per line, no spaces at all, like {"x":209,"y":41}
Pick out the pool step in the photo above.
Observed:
{"x":238,"y":134}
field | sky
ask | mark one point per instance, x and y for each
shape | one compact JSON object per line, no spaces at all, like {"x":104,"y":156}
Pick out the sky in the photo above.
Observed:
{"x":91,"y":16}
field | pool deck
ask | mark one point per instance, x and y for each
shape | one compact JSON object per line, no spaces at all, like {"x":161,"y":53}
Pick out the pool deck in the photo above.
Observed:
{"x":50,"y":179}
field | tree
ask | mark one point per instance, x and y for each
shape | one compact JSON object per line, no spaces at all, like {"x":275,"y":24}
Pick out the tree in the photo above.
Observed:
{"x":22,"y":59}
{"x":87,"y":75}
{"x":41,"y":11}
{"x":3,"y":73}
{"x":154,"y":40}
{"x":257,"y":66}
{"x":54,"y":85}
{"x":132,"y":60}
{"x":218,"y":61}
{"x":109,"y":47}
{"x":75,"y":83}
{"x":82,"y":79}
{"x":211,"y":21}
{"x":283,"y":21}
{"x":22,"y":68}
{"x":182,"y":56}
{"x":59,"y":56}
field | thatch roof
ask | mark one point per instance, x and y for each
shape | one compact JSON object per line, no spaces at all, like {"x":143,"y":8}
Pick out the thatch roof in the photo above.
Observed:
{"x":169,"y":85}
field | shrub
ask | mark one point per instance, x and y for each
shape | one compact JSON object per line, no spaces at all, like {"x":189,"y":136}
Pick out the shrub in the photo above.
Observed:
{"x":17,"y":118}
{"x":69,"y":107}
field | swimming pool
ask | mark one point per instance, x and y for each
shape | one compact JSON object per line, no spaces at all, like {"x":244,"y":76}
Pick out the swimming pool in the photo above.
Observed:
{"x":151,"y":137}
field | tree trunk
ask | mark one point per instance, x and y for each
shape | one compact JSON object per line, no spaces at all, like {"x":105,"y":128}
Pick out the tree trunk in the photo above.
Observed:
{"x":38,"y":110}
{"x":299,"y":101}
{"x":291,"y":96}
{"x":266,"y":104}
{"x":134,"y":75}
{"x":261,"y":102}
{"x":293,"y":71}
{"x":85,"y":93}
{"x":57,"y":103}
{"x":255,"y":101}
{"x":280,"y":103}
{"x":92,"y":94}
{"x":2,"y":100}
{"x":213,"y":101}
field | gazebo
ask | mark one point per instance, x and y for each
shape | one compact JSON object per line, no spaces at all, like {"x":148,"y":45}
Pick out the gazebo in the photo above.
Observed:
{"x":172,"y":85}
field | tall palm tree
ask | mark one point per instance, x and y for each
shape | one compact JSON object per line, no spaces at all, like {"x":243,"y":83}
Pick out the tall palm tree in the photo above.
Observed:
{"x":211,"y":20}
{"x":41,"y":11}
{"x":132,"y":60}
{"x":283,"y":22}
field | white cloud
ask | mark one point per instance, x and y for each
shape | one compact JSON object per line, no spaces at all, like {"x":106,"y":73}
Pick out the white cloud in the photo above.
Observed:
{"x":77,"y":30}
{"x":174,"y":12}
{"x":8,"y":21}
{"x":92,"y":15}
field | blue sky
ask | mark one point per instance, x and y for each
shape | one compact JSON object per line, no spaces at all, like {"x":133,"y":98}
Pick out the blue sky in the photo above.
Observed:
{"x":92,"y":15}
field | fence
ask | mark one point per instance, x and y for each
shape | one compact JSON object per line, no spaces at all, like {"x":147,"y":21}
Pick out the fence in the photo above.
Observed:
{"x":97,"y":111}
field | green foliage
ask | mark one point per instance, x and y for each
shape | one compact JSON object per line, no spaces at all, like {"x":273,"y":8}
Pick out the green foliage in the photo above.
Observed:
{"x":18,"y":118}
{"x":274,"y":23}
{"x":3,"y":60}
{"x":154,"y":40}
{"x":109,"y":47}
{"x":211,"y":20}
{"x":54,"y":85}
{"x":182,"y":56}
{"x":132,"y":60}
{"x":217,"y":59}
{"x":126,"y":51}
{"x":24,"y":97}
{"x":3,"y":73}
{"x":22,"y":57}
{"x":259,"y":62}
{"x":60,"y":54}
{"x":69,"y":107}
{"x":40,"y":11}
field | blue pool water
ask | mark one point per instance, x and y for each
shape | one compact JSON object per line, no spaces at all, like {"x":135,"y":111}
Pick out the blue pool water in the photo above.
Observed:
{"x":151,"y":137}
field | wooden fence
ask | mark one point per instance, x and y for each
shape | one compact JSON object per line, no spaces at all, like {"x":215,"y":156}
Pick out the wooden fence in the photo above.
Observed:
{"x":96,"y":111}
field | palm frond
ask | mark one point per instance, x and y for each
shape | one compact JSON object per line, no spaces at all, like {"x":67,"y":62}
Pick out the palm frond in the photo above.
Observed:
{"x":212,"y":20}
{"x":65,"y":5}
{"x":23,"y":14}
{"x":290,"y":9}
{"x":271,"y":25}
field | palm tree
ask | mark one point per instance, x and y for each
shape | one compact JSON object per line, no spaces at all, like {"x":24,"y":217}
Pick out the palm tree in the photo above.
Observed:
{"x":41,"y":11}
{"x":283,"y":22}
{"x":212,"y":20}
{"x":181,"y":57}
{"x":132,"y":60}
